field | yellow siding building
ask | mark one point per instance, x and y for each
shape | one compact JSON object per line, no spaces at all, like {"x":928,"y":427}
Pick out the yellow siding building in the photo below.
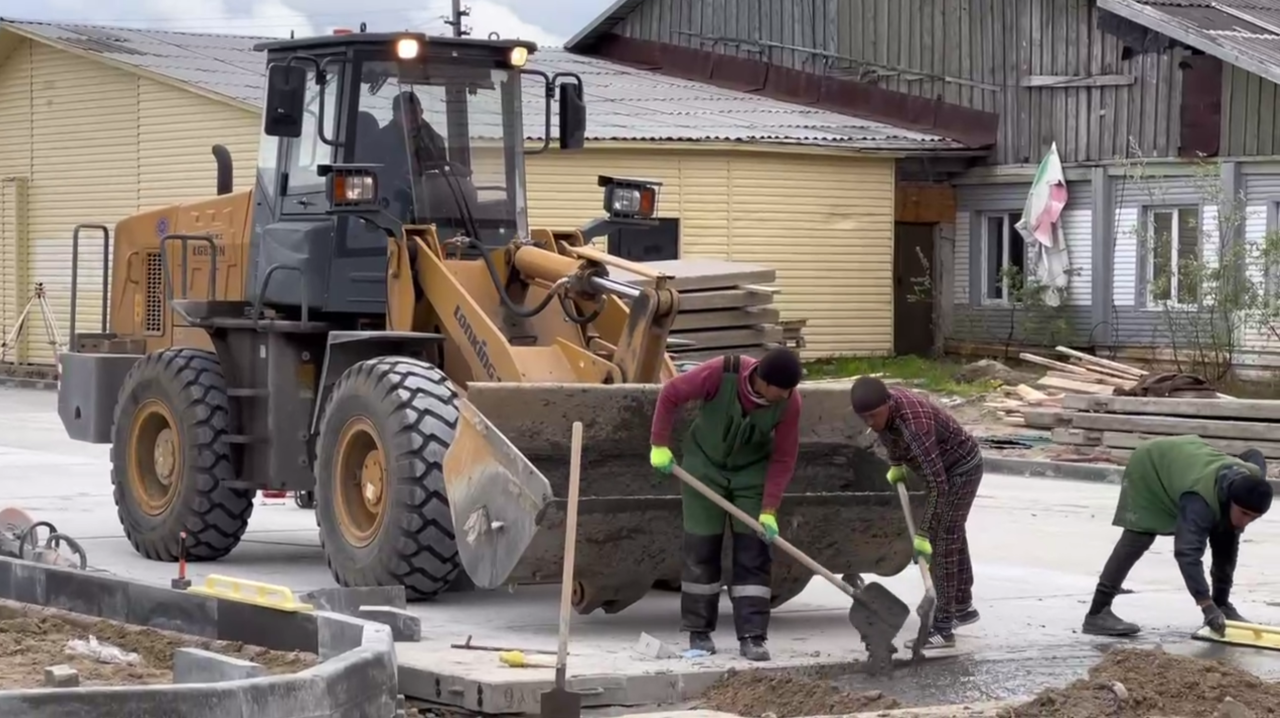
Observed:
{"x":99,"y":123}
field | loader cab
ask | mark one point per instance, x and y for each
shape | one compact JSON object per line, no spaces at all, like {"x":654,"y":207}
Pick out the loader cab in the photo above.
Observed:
{"x":436,"y":125}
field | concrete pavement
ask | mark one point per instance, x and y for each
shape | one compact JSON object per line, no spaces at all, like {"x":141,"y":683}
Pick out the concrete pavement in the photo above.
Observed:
{"x":1038,"y":545}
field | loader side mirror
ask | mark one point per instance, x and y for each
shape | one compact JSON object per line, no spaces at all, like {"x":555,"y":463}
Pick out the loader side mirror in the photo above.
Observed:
{"x":573,"y":116}
{"x":286,"y":98}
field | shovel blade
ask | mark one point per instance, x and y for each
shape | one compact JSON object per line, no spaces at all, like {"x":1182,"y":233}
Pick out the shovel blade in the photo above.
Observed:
{"x":561,"y":703}
{"x":878,"y":615}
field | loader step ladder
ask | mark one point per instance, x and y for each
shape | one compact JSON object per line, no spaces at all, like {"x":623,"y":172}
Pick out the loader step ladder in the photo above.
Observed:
{"x":52,"y":335}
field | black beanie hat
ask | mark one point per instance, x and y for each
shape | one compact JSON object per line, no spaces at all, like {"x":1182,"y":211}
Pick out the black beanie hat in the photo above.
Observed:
{"x":1250,"y":493}
{"x":868,"y":394}
{"x":780,"y":368}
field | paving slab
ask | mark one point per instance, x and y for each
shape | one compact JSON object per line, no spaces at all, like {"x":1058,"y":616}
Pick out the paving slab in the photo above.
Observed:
{"x":1037,"y":543}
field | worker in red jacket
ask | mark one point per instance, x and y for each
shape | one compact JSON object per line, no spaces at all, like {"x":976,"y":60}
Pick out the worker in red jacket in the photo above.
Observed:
{"x":742,"y":445}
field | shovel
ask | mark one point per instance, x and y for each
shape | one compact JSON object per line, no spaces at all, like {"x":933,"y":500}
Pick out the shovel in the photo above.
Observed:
{"x":876,"y":614}
{"x":930,"y":600}
{"x":560,"y":702}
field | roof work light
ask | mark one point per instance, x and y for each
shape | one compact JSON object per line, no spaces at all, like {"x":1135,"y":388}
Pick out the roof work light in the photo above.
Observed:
{"x":407,"y":48}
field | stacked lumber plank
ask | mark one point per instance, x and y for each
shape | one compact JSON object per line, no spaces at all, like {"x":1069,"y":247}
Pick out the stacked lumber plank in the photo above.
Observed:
{"x":1077,"y":374}
{"x":1117,"y":424}
{"x":725,"y":307}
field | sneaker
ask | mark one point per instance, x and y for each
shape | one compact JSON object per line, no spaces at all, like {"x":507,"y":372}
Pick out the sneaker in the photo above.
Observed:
{"x":753,"y":649}
{"x":967,"y":617}
{"x":701,"y":642}
{"x":1230,"y":613}
{"x":935,"y":640}
{"x":1107,"y":623}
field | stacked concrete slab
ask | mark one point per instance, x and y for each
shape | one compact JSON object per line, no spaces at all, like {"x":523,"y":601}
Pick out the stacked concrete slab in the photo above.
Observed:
{"x":725,"y":307}
{"x":357,"y":676}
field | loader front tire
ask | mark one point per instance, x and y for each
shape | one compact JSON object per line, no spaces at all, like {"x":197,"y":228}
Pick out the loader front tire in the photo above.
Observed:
{"x":170,"y":461}
{"x":380,"y":495}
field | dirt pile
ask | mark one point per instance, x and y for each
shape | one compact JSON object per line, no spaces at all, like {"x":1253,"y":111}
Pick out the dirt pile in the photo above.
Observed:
{"x":752,"y":694}
{"x":1136,"y":683}
{"x":32,"y":639}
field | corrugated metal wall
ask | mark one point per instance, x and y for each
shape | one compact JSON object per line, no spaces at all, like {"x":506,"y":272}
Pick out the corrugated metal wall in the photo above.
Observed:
{"x":974,"y":53}
{"x":824,"y":223}
{"x":95,"y":145}
{"x":1001,"y":323}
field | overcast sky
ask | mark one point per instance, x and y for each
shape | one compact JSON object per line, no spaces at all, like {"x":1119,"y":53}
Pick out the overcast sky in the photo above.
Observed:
{"x":546,"y":22}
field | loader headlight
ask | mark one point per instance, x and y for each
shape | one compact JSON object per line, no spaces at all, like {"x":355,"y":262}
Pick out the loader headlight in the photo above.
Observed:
{"x":407,"y":48}
{"x":348,"y":187}
{"x":629,"y":198}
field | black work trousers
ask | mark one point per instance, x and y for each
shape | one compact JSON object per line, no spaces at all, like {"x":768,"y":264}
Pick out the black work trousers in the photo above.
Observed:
{"x":749,"y":592}
{"x":1134,"y":544}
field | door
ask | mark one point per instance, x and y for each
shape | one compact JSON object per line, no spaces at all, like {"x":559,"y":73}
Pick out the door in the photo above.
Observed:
{"x":913,"y":288}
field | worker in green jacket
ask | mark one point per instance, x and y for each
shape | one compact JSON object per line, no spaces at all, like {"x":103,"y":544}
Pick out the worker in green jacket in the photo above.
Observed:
{"x":1182,"y":486}
{"x":743,"y":445}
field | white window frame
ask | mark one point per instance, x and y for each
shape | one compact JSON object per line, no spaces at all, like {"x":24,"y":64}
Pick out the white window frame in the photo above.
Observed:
{"x":1010,"y":222}
{"x":1149,"y":256}
{"x":1271,"y":273}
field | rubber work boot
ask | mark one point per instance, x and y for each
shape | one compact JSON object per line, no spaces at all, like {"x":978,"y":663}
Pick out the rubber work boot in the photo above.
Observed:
{"x":753,"y":649}
{"x":701,"y":642}
{"x":935,"y":640}
{"x":1107,"y":623}
{"x":967,"y":617}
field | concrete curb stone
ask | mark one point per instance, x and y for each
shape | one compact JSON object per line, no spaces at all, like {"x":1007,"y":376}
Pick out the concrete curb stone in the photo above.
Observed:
{"x":357,"y":675}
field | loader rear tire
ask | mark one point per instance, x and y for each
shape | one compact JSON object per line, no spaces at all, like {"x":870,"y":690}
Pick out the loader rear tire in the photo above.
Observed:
{"x":170,"y":460}
{"x":380,"y":495}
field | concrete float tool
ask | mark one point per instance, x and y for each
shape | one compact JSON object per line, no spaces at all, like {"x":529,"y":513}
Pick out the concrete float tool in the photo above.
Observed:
{"x":876,"y":613}
{"x":1243,"y":634}
{"x":930,"y":600}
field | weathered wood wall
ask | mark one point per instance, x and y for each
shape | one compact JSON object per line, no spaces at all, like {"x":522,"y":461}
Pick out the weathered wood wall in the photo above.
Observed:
{"x":976,"y":53}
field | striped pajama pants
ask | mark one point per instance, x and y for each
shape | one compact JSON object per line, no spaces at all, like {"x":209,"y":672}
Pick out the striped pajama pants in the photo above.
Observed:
{"x":952,"y":568}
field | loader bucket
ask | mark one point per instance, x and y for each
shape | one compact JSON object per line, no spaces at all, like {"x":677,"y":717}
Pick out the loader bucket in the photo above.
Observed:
{"x":495,"y":497}
{"x":838,"y":508}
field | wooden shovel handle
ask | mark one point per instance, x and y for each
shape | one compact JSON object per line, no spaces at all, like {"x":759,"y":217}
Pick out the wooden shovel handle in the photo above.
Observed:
{"x":925,"y":575}
{"x":570,"y":546}
{"x":778,"y":541}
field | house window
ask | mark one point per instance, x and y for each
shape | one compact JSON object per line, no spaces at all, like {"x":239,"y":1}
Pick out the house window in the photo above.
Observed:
{"x":1173,"y":255}
{"x":1004,"y":256}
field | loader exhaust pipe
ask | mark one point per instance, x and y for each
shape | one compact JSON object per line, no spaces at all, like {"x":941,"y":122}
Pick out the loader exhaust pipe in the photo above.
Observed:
{"x":226,"y":178}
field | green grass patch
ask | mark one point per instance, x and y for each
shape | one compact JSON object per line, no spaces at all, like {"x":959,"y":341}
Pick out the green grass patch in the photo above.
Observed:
{"x":933,"y":375}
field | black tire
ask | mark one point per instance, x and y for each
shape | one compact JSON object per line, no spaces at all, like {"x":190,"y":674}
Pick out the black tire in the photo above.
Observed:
{"x":412,"y":408}
{"x":189,"y":385}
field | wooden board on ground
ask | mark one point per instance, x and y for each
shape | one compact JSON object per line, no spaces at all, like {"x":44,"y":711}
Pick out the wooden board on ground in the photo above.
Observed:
{"x":1235,"y":447}
{"x":723,"y":299}
{"x":1077,"y":437}
{"x":1078,"y":387}
{"x":1177,"y":426}
{"x":1044,"y":418}
{"x":724,"y":319}
{"x":715,"y":339}
{"x":1246,"y":409}
{"x":695,"y":274}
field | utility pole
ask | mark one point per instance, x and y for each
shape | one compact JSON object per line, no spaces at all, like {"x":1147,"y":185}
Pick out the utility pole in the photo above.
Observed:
{"x":455,"y":19}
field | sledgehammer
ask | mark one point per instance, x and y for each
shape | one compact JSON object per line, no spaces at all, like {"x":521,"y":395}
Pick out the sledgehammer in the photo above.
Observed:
{"x":876,"y":614}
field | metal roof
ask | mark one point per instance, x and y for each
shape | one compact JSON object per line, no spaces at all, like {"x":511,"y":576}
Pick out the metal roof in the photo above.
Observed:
{"x":617,"y":11}
{"x":1245,"y":33}
{"x":623,"y":103}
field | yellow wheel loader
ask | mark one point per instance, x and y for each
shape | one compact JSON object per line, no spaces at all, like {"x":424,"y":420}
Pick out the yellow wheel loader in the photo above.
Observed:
{"x":376,"y":323}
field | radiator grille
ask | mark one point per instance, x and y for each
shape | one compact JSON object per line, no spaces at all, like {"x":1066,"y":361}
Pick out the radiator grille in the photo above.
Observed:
{"x":153,"y":312}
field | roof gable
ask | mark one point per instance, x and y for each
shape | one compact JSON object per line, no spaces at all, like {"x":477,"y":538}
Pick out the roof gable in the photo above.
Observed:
{"x":624,"y":103}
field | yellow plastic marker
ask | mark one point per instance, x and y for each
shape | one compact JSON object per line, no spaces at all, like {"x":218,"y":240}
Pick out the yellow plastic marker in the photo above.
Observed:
{"x":266,"y":595}
{"x":1244,"y":634}
{"x":518,"y":659}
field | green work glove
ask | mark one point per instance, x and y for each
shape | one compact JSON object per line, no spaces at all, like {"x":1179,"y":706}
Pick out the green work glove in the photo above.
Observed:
{"x":896,"y":475}
{"x":770,"y":524}
{"x":661,"y":458}
{"x":921,"y":549}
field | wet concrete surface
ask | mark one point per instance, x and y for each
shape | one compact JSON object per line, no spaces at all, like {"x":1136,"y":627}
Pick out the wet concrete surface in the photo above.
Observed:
{"x":1038,"y":545}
